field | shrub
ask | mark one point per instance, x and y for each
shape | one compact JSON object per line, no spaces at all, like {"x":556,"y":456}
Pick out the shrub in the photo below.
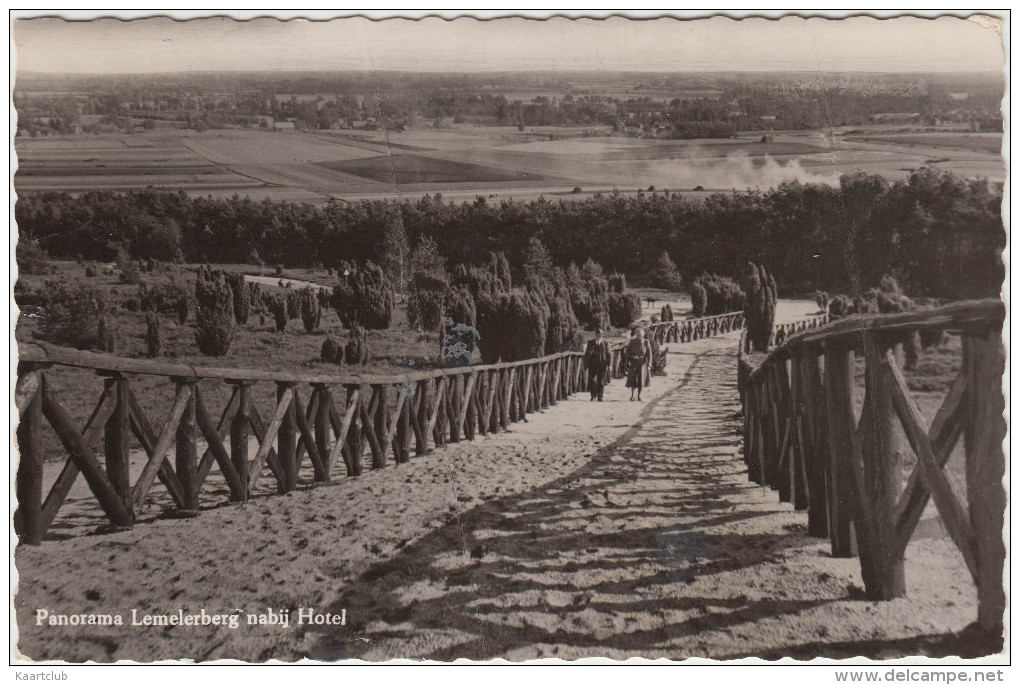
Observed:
{"x":214,"y":313}
{"x":889,"y":297}
{"x":527,"y":323}
{"x":840,"y":306}
{"x":165,"y":298}
{"x":106,"y":334}
{"x":129,"y":271}
{"x":256,"y":298}
{"x":459,"y":340}
{"x":669,"y":311}
{"x":279,"y":269}
{"x":71,"y":314}
{"x":332,"y":351}
{"x":91,"y":270}
{"x":32,"y":258}
{"x":278,"y":307}
{"x":181,"y":310}
{"x":760,"y":307}
{"x":240,"y":296}
{"x":132,"y":304}
{"x":499,"y":265}
{"x":699,"y":299}
{"x":589,"y":294}
{"x":512,"y":325}
{"x":481,"y":281}
{"x":356,"y":351}
{"x":153,"y":335}
{"x":624,"y":309}
{"x":365,"y":297}
{"x":722,"y":295}
{"x":26,"y":296}
{"x":666,"y":275}
{"x":658,"y":361}
{"x":617,"y":283}
{"x":822,"y":300}
{"x":311,"y":313}
{"x":563,"y":331}
{"x":293,"y":299}
{"x":425,"y":297}
{"x":459,"y":305}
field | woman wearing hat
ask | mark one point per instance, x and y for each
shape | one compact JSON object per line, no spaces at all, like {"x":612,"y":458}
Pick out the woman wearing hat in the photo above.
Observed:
{"x":638,"y":353}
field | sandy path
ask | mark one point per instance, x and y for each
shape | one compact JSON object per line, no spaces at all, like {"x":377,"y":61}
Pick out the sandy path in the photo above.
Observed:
{"x":659,"y":548}
{"x":276,"y":280}
{"x":615,"y":529}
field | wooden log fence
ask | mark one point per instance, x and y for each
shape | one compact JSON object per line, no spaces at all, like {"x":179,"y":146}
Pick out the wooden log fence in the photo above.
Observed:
{"x":802,"y":437}
{"x":324,"y":422}
{"x":689,"y":330}
{"x":782,"y":331}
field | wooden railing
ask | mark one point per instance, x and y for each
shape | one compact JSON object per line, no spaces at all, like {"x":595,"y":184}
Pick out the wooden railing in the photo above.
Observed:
{"x":802,"y":438}
{"x":330,"y":419}
{"x":782,"y":331}
{"x":341,"y":417}
{"x":688,"y":330}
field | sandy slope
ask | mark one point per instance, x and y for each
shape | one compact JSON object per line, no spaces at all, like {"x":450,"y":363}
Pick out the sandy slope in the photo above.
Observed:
{"x":616,"y":529}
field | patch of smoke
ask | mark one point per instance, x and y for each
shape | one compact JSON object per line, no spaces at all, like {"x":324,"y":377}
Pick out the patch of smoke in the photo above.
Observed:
{"x":738,"y":171}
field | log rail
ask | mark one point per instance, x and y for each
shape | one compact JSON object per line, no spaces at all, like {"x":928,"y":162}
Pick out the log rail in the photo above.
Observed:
{"x":334,"y":421}
{"x":688,"y":330}
{"x":803,"y":438}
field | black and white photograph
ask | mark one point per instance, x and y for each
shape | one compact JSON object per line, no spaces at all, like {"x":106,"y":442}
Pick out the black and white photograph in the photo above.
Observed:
{"x":351,"y":339}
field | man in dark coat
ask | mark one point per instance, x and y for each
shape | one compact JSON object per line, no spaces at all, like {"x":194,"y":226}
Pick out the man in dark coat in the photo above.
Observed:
{"x":597,"y":360}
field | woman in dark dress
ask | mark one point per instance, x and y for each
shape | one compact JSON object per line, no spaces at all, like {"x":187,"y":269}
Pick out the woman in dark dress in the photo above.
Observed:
{"x":638,"y":354}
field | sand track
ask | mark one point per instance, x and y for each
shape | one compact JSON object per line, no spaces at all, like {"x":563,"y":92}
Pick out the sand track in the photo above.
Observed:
{"x":610,"y":529}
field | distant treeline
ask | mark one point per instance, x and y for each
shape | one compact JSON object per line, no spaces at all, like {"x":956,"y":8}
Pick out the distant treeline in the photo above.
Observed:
{"x":939,"y":234}
{"x":659,"y":105}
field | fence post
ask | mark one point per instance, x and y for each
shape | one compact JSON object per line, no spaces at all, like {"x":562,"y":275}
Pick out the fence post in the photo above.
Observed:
{"x":798,"y":408}
{"x":423,"y":397}
{"x":286,"y":440}
{"x":984,"y":433}
{"x":321,"y":427}
{"x":239,"y":437}
{"x":117,"y":430}
{"x":402,"y":436}
{"x":881,"y":483}
{"x":839,"y":369}
{"x":187,"y":450}
{"x":785,"y":472}
{"x":28,"y":518}
{"x":355,"y":445}
{"x":382,"y":424}
{"x":471,"y":412}
{"x":816,"y":456}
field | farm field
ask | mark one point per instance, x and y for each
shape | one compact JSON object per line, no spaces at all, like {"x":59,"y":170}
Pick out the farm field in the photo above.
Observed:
{"x":466,"y":161}
{"x":977,"y":142}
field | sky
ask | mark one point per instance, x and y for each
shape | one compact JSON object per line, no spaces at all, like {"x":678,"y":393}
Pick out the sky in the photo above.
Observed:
{"x":904,"y":44}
